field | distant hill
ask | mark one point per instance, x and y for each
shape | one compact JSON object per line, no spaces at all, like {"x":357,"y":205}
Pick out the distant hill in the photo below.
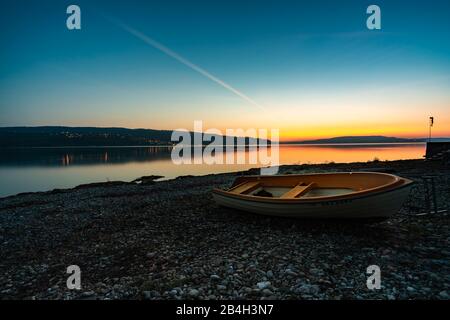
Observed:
{"x":54,"y":136}
{"x":358,"y":139}
{"x":58,"y":136}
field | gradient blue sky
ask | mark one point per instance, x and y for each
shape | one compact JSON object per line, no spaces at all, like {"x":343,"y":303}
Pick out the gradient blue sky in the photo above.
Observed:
{"x":312,"y":65}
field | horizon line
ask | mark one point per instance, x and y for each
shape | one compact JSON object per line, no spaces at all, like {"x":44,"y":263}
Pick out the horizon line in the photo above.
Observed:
{"x":285,"y":140}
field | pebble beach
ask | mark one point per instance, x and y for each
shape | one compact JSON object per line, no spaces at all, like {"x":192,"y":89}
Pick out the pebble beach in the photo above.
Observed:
{"x":168,"y":240}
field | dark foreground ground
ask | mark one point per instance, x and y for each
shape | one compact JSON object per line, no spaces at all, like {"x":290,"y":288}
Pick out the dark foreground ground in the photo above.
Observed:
{"x":169,"y":240}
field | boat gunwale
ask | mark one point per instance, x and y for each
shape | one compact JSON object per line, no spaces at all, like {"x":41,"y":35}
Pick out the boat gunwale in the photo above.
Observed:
{"x":398,"y":183}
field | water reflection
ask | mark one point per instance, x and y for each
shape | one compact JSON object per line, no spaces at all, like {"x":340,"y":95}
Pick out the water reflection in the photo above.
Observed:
{"x":41,"y":169}
{"x":80,"y":156}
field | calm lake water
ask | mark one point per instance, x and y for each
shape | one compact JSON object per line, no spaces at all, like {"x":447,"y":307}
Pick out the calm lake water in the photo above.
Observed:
{"x":42,"y":169}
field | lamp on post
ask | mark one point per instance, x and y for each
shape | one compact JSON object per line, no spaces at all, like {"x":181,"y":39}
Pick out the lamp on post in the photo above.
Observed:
{"x":431,"y":124}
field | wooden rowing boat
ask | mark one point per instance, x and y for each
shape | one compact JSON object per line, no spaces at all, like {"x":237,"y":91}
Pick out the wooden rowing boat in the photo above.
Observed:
{"x":321,"y":195}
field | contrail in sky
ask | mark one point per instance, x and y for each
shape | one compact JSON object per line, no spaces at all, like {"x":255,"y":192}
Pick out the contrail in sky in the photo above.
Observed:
{"x":184,"y":61}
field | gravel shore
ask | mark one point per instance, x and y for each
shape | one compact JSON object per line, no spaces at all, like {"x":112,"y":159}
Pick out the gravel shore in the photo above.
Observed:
{"x":169,"y":240}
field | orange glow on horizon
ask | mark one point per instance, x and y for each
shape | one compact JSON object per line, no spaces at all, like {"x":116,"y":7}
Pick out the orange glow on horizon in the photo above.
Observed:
{"x":324,"y":133}
{"x":293,"y":127}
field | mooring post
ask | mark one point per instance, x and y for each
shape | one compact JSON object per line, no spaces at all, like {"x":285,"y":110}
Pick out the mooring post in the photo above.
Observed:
{"x":427,"y":194}
{"x":430,"y":195}
{"x":433,"y":193}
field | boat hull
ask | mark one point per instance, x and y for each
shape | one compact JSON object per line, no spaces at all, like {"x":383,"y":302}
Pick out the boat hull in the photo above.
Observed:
{"x":378,"y":205}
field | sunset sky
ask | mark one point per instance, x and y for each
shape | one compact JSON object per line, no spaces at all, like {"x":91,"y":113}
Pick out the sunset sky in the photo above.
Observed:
{"x":309,"y":68}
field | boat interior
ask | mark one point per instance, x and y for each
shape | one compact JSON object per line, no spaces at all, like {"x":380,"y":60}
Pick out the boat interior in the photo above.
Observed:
{"x":312,"y":186}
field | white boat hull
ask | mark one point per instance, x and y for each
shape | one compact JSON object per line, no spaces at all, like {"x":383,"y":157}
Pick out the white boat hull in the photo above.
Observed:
{"x":378,"y":205}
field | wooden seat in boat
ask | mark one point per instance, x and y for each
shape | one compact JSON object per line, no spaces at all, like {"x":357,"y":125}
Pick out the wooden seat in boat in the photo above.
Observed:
{"x":297,"y":191}
{"x":245,"y":187}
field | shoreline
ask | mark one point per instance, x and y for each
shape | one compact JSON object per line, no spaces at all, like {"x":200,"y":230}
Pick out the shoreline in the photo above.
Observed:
{"x":168,"y":240}
{"x":163,"y":178}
